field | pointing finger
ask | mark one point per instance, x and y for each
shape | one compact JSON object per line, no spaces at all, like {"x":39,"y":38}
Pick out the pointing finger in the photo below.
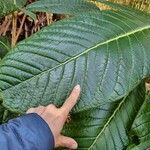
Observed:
{"x":71,"y":100}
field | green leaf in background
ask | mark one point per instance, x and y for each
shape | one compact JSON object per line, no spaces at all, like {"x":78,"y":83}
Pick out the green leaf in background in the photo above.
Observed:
{"x":4,"y":46}
{"x":62,"y":6}
{"x":141,"y":127}
{"x":143,"y":146}
{"x":106,"y":127}
{"x":6,"y":7}
{"x":107,"y":53}
{"x":20,"y":3}
{"x":29,"y":13}
{"x":6,"y":115}
{"x":2,"y":109}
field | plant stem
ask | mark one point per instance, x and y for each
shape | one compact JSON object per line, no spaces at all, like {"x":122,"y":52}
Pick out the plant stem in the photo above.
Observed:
{"x":14,"y":27}
{"x":49,"y":18}
{"x":19,"y":31}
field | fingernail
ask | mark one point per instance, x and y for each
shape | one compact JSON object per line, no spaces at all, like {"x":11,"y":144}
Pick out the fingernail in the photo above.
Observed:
{"x":74,"y":146}
{"x":77,"y":87}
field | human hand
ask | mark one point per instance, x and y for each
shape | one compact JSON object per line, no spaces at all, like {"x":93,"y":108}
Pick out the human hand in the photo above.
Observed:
{"x":56,"y":118}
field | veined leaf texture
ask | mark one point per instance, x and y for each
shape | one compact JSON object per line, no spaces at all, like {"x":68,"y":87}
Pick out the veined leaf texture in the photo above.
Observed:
{"x":106,"y":52}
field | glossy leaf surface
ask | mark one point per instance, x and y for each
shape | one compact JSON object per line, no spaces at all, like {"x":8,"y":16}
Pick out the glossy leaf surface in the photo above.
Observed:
{"x":107,"y":53}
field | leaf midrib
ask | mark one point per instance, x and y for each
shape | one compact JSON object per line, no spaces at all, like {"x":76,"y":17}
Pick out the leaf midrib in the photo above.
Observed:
{"x":109,"y":120}
{"x":84,"y":52}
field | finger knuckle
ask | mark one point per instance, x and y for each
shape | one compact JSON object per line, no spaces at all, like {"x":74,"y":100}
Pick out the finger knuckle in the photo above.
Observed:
{"x":40,"y":107}
{"x":51,"y":107}
{"x":30,"y":110}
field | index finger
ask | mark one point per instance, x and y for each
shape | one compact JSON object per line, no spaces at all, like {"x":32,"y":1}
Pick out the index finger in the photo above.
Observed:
{"x":71,"y":100}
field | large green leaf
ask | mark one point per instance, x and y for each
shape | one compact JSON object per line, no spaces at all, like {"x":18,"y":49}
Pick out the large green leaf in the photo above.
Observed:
{"x":107,"y":53}
{"x":141,"y":127}
{"x":106,"y":127}
{"x":62,"y":6}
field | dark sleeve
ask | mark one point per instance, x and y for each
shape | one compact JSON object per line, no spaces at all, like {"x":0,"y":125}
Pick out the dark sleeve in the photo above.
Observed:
{"x":28,"y":132}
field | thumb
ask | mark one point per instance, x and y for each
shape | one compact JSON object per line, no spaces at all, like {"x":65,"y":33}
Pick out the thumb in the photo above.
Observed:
{"x":67,"y":142}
